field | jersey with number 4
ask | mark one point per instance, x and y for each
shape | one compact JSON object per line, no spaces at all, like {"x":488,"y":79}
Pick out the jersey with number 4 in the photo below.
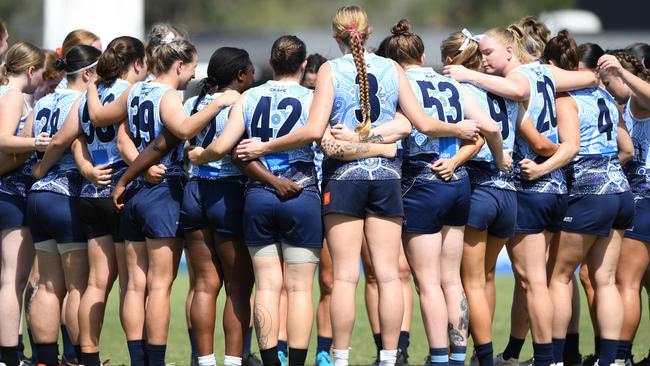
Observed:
{"x":481,"y":168}
{"x":219,"y":169}
{"x":638,"y":169}
{"x":441,"y":98}
{"x":102,"y":141}
{"x":596,"y":169}
{"x":145,"y":124}
{"x":49,"y":114}
{"x":542,"y":113}
{"x":273,"y":110}
{"x":383,"y":93}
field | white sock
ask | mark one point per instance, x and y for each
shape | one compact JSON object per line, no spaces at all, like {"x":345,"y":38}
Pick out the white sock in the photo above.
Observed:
{"x":231,"y":361}
{"x":387,"y":357}
{"x":207,"y":360}
{"x":341,"y":357}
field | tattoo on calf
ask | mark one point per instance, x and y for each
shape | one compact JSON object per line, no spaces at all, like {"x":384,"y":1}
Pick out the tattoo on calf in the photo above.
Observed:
{"x":262,"y":316}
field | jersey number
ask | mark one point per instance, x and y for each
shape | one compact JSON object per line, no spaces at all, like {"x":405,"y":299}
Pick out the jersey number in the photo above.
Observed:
{"x":144,"y":121}
{"x":605,"y":124}
{"x":499,"y":113}
{"x":547,"y":116}
{"x":375,"y":106}
{"x":260,"y":124}
{"x":429,"y":101}
{"x":104,"y":134}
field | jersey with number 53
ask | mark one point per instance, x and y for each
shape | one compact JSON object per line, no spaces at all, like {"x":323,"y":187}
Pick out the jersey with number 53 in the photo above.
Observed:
{"x":542,"y":113}
{"x":383,"y":94}
{"x":272,"y":110}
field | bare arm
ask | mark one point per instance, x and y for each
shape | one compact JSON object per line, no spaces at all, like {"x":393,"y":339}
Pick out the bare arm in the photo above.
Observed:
{"x":99,"y":175}
{"x":346,"y":150}
{"x":514,"y":86}
{"x":10,"y":162}
{"x":540,"y":144}
{"x":572,"y":80}
{"x":445,"y":167}
{"x":109,"y":114}
{"x":640,"y":87}
{"x":255,"y":170}
{"x":398,"y":128}
{"x":150,"y":156}
{"x":11,"y":105}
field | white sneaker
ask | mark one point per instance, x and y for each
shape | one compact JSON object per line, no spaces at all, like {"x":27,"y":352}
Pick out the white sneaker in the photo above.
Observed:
{"x":500,"y":361}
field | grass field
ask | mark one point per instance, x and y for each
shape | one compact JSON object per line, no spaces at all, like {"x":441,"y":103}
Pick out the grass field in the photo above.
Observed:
{"x":113,"y":343}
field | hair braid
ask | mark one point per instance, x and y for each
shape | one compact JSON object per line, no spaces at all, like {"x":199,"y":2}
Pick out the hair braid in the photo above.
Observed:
{"x":632,"y":64}
{"x":363,"y":128}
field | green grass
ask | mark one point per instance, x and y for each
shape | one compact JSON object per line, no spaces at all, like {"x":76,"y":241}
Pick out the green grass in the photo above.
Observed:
{"x":113,"y":343}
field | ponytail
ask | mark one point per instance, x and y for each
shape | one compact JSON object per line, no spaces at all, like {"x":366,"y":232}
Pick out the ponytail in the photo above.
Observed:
{"x":120,"y":54}
{"x":563,"y":51}
{"x":631,"y":63}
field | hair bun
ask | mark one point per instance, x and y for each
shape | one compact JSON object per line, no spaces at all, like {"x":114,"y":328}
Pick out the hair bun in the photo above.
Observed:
{"x":402,"y":28}
{"x":60,"y":64}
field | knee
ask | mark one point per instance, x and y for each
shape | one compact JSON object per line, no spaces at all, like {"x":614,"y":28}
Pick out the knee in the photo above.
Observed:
{"x":386,"y":276}
{"x":326,"y":283}
{"x":584,"y":276}
{"x":405,"y":274}
{"x":207,"y":284}
{"x":274,"y":284}
{"x":159,"y":283}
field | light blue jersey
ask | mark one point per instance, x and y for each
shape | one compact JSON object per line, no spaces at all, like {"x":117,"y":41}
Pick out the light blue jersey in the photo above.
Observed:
{"x":219,"y":169}
{"x":272,"y":110}
{"x":638,"y":169}
{"x":442,"y":98}
{"x":596,"y":169}
{"x":145,"y":124}
{"x":481,"y":168}
{"x":383,"y":94}
{"x":542,"y":112}
{"x":18,"y":181}
{"x":102,"y":142}
{"x":49,"y":114}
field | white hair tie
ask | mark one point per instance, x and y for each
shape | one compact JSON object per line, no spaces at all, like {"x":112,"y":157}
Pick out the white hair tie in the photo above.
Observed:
{"x":169,"y":38}
{"x":469,"y":37}
{"x":83,"y":68}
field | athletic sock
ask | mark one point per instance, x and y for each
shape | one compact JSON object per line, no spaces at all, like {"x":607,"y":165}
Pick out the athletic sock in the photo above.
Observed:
{"x":297,"y":356}
{"x":270,"y":356}
{"x":457,"y":357}
{"x":283,"y":346}
{"x":341,"y":357}
{"x":608,"y":349}
{"x":9,"y":356}
{"x":485,"y":354}
{"x":207,"y":360}
{"x":558,"y":350}
{"x":136,"y":352}
{"x":597,"y":346}
{"x":69,"y":352}
{"x":77,"y":352}
{"x":542,"y":354}
{"x":89,"y":359}
{"x":21,"y":347}
{"x":378,"y":343}
{"x":48,"y":353}
{"x":439,"y":356}
{"x":572,"y":348}
{"x":624,"y":349}
{"x":232,"y":361}
{"x":404,"y":341}
{"x":323,"y":344}
{"x":155,"y":354}
{"x":387,"y":357}
{"x":513,"y":349}
{"x":195,"y":351}
{"x":247,"y":340}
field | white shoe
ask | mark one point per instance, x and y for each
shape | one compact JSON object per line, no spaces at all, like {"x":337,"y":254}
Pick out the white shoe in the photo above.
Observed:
{"x":500,"y":361}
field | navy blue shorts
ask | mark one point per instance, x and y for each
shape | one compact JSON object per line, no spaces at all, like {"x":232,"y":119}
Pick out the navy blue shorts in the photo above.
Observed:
{"x":641,"y":226}
{"x":12,"y":211}
{"x":597,"y":215}
{"x":53,"y":216}
{"x":494,"y":210}
{"x":100,"y":218}
{"x":430,"y":205}
{"x":217,"y":205}
{"x":270,"y":220}
{"x":360,"y":198}
{"x":153,"y":212}
{"x":537,"y":212}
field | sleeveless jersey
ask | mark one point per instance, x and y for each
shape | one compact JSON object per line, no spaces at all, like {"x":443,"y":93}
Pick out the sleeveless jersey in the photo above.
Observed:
{"x":102,"y":142}
{"x":481,"y":168}
{"x":49,"y":114}
{"x":541,"y":110}
{"x":219,"y":169}
{"x":638,"y":169}
{"x":272,"y":110}
{"x":18,"y":181}
{"x":383,"y":93}
{"x":596,"y":169}
{"x":145,"y":124}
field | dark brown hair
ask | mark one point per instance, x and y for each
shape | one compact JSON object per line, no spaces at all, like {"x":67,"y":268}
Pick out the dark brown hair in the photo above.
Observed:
{"x":78,"y":57}
{"x":589,"y":54}
{"x":562,"y":49}
{"x":631,"y":63}
{"x":120,"y":54}
{"x":287,"y":54}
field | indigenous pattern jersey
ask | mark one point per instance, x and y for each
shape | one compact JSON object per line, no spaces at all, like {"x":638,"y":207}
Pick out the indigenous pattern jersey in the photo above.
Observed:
{"x":638,"y":169}
{"x":18,"y":181}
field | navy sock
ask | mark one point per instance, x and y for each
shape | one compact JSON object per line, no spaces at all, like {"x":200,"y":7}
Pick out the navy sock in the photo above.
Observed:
{"x":323,"y":344}
{"x":21,"y":347}
{"x":270,"y":356}
{"x":624,"y":350}
{"x":597,"y":346}
{"x":32,"y":344}
{"x":513,"y":349}
{"x":558,"y":350}
{"x":247,"y":340}
{"x":89,"y":359}
{"x":543,"y":354}
{"x":9,"y":356}
{"x":195,"y":351}
{"x":457,"y":357}
{"x":297,"y":356}
{"x":608,"y":349}
{"x":378,"y":343}
{"x":283,"y":346}
{"x":155,"y":354}
{"x":485,"y":354}
{"x":136,"y":352}
{"x":404,"y":340}
{"x":48,"y":354}
{"x":439,"y":356}
{"x":68,"y":348}
{"x":572,"y":348}
{"x":77,"y":351}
